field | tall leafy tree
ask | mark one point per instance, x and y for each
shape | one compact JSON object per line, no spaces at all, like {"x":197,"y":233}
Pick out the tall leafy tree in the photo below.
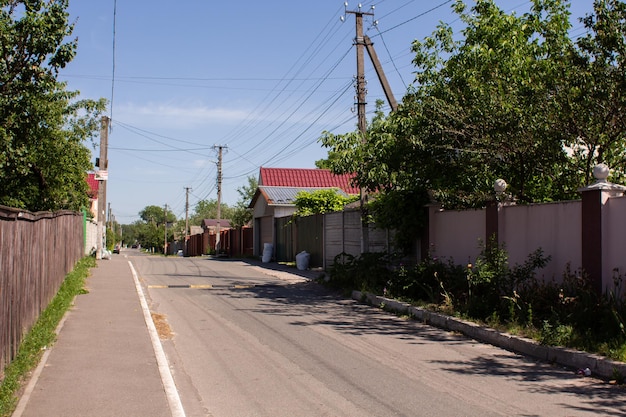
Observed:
{"x":43,"y":127}
{"x":242,"y":215}
{"x":593,"y":100}
{"x":150,"y":230}
{"x":482,"y":107}
{"x":207,"y":209}
{"x":486,"y":104}
{"x":156,"y":215}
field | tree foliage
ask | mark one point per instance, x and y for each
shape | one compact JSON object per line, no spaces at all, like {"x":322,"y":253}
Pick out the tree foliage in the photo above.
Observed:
{"x":149,"y":232}
{"x":594,"y":97}
{"x":242,"y":215}
{"x":321,"y":201}
{"x":43,"y":127}
{"x":207,"y":209}
{"x":156,"y":215}
{"x":512,"y":97}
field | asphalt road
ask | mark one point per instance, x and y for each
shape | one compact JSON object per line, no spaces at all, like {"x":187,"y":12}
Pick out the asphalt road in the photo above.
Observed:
{"x":245,"y":343}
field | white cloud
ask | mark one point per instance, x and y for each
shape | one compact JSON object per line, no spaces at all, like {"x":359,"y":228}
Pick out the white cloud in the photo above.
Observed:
{"x":186,"y":116}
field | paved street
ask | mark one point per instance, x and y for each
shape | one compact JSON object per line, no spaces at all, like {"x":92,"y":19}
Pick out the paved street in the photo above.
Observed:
{"x":245,"y":343}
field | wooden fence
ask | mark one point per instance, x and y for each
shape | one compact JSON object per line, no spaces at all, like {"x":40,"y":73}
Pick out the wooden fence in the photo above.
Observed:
{"x":37,"y":251}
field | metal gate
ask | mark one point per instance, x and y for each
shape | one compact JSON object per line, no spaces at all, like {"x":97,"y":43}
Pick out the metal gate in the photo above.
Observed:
{"x":310,"y":238}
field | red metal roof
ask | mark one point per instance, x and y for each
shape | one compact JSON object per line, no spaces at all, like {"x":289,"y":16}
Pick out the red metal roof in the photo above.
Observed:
{"x":93,"y":185}
{"x":306,"y":177}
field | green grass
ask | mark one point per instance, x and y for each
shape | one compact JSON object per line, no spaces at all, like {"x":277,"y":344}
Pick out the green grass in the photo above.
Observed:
{"x":41,"y":335}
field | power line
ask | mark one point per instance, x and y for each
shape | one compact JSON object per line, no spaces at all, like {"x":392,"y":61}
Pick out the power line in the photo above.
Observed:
{"x":417,"y":17}
{"x":113,"y":59}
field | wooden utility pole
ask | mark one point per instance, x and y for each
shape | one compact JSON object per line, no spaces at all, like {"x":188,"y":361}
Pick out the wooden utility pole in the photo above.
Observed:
{"x":102,"y":176}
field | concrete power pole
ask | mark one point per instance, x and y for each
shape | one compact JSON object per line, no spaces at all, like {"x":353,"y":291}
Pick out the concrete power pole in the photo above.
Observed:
{"x":363,"y":42}
{"x":102,"y":176}
{"x":220,"y":149}
{"x":186,"y":217}
{"x":361,"y":92}
{"x":165,"y":228}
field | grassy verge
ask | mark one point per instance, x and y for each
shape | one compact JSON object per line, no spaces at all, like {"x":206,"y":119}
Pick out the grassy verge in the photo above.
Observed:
{"x":41,"y":335}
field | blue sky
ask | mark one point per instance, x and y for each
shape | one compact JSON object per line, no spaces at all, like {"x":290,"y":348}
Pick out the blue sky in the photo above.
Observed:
{"x":264,"y":79}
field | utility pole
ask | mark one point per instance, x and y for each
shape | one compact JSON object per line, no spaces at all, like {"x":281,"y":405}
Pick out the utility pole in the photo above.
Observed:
{"x":361,"y":41}
{"x":165,"y":227}
{"x":102,"y":176}
{"x":220,"y":149}
{"x":186,"y":217}
{"x":369,"y":46}
{"x":360,"y":103}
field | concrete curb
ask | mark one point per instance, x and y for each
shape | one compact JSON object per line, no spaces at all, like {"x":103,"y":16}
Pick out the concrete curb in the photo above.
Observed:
{"x":599,"y":365}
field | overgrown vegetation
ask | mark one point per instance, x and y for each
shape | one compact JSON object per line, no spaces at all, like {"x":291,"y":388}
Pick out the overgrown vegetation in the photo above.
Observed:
{"x":510,"y":96}
{"x":558,"y":312}
{"x":41,"y":335}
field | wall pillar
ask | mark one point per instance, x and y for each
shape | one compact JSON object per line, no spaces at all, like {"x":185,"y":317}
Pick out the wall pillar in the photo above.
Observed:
{"x":594,"y":197}
{"x":491,"y":224}
{"x":592,"y":236}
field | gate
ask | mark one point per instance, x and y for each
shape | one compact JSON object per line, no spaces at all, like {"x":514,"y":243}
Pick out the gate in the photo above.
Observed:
{"x":310,"y":238}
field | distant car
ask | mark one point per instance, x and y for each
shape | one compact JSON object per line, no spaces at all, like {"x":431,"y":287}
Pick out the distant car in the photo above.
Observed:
{"x":180,"y":252}
{"x":116,"y":249}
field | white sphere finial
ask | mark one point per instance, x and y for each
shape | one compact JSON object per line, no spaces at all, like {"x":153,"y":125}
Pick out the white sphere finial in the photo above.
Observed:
{"x":499,"y":186}
{"x":601,"y":172}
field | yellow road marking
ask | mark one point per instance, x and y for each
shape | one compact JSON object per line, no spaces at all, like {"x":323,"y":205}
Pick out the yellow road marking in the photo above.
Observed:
{"x":200,"y":286}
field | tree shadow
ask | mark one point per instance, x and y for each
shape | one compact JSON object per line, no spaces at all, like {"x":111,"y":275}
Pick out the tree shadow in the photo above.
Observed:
{"x":309,"y":304}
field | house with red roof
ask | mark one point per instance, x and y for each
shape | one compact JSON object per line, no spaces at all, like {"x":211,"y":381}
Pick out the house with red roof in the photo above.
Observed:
{"x":276,"y":194}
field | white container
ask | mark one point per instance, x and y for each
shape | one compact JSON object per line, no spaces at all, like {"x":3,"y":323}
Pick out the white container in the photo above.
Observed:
{"x":268,"y":248}
{"x":302,"y":260}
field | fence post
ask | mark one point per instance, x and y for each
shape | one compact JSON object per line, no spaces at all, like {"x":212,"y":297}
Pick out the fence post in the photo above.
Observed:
{"x":491,"y":224}
{"x":492,"y":214}
{"x":594,"y":197}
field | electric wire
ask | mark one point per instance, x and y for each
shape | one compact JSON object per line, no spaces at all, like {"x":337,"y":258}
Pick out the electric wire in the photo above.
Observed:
{"x":417,"y":17}
{"x":113,"y":61}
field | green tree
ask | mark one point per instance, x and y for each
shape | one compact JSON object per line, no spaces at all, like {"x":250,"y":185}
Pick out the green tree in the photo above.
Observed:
{"x":321,"y":201}
{"x":43,"y":127}
{"x":486,"y":104}
{"x":207,"y":209}
{"x":482,"y":107}
{"x":156,"y":215}
{"x":149,"y":232}
{"x":593,"y":96}
{"x":242,"y":215}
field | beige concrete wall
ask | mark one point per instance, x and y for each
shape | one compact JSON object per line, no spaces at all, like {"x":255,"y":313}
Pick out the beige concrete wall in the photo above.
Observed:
{"x":554,"y":227}
{"x":614,"y":240}
{"x":456,"y":234}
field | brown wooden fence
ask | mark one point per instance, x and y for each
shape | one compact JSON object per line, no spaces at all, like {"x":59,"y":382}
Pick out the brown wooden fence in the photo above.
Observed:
{"x":37,"y":251}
